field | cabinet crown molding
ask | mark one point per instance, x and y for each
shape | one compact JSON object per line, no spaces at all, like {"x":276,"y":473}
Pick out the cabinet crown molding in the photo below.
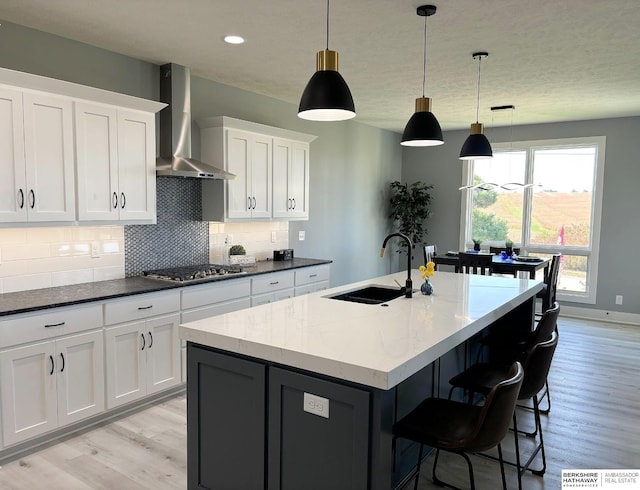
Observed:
{"x":29,"y":81}
{"x":227,"y":122}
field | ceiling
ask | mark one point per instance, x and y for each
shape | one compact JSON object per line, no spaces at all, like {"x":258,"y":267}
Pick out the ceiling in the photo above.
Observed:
{"x":553,"y":60}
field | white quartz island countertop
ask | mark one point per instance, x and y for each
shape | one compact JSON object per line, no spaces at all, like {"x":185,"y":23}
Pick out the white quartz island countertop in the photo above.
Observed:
{"x":374,"y":345}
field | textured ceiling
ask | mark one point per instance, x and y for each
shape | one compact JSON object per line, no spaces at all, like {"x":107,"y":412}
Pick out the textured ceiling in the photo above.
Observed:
{"x":555,"y":60}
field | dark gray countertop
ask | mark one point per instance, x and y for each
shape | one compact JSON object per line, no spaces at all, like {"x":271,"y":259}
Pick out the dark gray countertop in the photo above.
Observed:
{"x":42,"y":299}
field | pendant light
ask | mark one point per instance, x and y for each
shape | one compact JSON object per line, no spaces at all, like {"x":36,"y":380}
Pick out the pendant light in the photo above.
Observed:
{"x":327,"y":96}
{"x":477,"y":146}
{"x":423,"y":129}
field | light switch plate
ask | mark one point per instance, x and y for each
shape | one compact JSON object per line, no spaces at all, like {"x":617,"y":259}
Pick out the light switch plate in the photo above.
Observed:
{"x":301,"y":235}
{"x":316,"y":405}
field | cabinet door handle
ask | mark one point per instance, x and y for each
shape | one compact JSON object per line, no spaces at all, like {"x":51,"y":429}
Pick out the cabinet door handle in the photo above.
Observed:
{"x":145,"y":307}
{"x":51,"y":359}
{"x":143,"y":342}
{"x":62,"y":357}
{"x":115,"y":200}
{"x":254,"y":203}
{"x":150,"y":340}
{"x":32,"y":199}
{"x":123,"y":200}
{"x":249,"y":203}
{"x":289,"y":206}
{"x":294,"y":203}
{"x":49,"y":325}
{"x":20,"y":198}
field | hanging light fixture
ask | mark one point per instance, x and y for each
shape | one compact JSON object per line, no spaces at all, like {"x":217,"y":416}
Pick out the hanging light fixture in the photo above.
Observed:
{"x":477,"y":146}
{"x":423,"y":129}
{"x":327,"y":96}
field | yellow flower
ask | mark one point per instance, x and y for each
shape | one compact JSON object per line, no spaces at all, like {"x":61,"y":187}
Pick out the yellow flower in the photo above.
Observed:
{"x":427,"y":271}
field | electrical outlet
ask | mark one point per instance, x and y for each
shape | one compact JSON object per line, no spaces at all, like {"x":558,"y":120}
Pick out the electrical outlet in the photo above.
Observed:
{"x":618,"y":299}
{"x":95,"y":249}
{"x":301,"y":235}
{"x":273,"y":237}
{"x":316,"y":405}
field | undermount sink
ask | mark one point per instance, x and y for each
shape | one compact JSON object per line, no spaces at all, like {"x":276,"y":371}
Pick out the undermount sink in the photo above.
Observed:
{"x":370,"y":295}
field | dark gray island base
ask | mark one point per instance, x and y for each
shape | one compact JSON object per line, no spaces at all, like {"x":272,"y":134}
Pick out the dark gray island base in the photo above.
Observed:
{"x":249,"y":428}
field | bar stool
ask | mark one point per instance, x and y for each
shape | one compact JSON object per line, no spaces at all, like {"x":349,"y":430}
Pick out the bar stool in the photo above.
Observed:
{"x":481,"y":377}
{"x":462,"y":428}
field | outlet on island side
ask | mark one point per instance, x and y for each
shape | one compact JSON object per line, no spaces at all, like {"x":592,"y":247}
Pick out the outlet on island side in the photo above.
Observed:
{"x":316,"y":405}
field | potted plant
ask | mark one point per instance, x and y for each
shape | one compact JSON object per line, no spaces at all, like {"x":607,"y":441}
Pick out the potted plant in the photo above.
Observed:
{"x":476,"y":244}
{"x":237,"y":250}
{"x":508,"y":247}
{"x":410,"y":208}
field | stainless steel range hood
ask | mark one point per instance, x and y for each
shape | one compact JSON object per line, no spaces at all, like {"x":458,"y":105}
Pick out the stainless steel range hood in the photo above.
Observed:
{"x":175,"y":129}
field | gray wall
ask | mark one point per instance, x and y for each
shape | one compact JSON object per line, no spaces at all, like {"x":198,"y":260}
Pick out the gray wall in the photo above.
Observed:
{"x":351,"y":163}
{"x":618,"y":270}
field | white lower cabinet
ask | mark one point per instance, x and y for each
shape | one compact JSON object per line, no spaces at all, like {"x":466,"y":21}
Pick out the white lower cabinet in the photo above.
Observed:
{"x":51,"y":384}
{"x":267,"y":288}
{"x":311,"y":279}
{"x":142,"y":358}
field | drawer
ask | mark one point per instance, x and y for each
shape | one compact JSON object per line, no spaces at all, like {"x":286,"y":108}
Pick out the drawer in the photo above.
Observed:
{"x":218,"y":292}
{"x":308,"y":275}
{"x":272,"y":282}
{"x":311,"y":288}
{"x":141,"y":306}
{"x":30,"y":327}
{"x":216,"y":309}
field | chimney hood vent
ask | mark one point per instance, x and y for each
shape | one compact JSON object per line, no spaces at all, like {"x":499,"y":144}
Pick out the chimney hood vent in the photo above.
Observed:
{"x":175,"y":129}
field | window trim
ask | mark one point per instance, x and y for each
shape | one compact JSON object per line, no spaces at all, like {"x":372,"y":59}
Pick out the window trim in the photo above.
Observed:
{"x":592,"y":252}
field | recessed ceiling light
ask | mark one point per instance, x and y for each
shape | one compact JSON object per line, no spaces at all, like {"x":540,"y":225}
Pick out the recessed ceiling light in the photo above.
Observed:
{"x":232,"y":39}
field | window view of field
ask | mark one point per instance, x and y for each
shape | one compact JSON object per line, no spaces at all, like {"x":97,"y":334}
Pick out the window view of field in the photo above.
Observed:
{"x":560,"y":202}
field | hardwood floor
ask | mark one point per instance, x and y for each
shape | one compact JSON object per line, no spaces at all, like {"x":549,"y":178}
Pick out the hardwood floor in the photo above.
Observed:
{"x":594,"y":423}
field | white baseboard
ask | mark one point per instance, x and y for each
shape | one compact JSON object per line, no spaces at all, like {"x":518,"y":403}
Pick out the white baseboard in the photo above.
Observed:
{"x":603,"y":315}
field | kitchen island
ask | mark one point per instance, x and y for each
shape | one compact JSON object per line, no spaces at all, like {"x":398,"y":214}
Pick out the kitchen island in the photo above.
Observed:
{"x":302,"y":393}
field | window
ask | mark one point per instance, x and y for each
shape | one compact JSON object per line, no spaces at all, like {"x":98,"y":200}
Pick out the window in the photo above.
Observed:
{"x":546,"y":196}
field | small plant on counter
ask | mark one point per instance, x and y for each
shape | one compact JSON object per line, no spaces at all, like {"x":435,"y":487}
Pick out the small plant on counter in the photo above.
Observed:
{"x":237,"y":250}
{"x":427,"y":271}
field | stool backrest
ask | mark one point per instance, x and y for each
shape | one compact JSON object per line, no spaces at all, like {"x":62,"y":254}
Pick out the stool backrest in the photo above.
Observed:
{"x":536,"y":367}
{"x":546,"y":325}
{"x":497,"y":411}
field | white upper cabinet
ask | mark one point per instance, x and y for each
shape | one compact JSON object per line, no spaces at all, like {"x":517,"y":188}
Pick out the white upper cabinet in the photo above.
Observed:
{"x":116,"y":164}
{"x":271,"y":167}
{"x":102,"y":151}
{"x":290,"y":179}
{"x":13,"y":178}
{"x":36,"y":140}
{"x":249,"y":158}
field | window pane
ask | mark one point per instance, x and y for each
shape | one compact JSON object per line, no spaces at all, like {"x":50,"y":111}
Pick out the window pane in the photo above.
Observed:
{"x":497,"y":212}
{"x":562,"y":199}
{"x":572,"y":276}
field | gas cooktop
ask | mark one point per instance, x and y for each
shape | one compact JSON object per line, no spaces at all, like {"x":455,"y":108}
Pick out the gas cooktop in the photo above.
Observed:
{"x":190,"y":273}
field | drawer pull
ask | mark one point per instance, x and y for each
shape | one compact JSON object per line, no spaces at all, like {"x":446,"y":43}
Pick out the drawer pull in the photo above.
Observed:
{"x":62,"y":357}
{"x":145,"y":307}
{"x":313,"y":275}
{"x":54,"y":325}
{"x":274,"y":283}
{"x":51,"y":359}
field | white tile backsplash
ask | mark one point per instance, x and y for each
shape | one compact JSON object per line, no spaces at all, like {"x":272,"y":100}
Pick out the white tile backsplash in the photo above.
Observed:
{"x":41,"y":257}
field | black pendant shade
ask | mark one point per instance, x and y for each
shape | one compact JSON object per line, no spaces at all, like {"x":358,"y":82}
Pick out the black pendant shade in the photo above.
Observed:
{"x":476,"y":146}
{"x":422,"y":129}
{"x":326,"y":98}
